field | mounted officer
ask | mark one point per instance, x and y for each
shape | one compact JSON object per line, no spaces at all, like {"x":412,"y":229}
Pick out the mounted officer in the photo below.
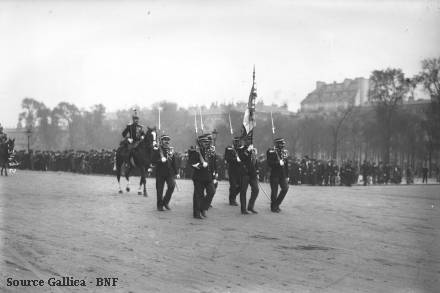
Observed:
{"x":132,"y":134}
{"x":278,"y":163}
{"x":164,"y":158}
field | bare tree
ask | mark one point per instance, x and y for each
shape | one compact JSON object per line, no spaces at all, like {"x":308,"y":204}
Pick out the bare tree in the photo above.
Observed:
{"x":388,"y":87}
{"x":336,"y":125}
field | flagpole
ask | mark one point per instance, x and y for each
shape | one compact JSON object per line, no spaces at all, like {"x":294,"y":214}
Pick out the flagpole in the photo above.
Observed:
{"x":159,"y":116}
{"x":230,"y":126}
{"x":201,"y":120}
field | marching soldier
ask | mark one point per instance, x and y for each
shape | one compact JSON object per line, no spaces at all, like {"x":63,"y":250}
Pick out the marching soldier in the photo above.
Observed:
{"x":165,"y":160}
{"x":277,"y":161}
{"x":203,"y":162}
{"x":247,"y":155}
{"x":235,"y":170}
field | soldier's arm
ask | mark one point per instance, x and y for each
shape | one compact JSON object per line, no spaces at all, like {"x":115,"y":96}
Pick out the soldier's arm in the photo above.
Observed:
{"x":126,"y":131}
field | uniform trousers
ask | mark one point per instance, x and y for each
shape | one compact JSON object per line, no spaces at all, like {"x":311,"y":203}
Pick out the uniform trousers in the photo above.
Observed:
{"x":160,"y":183}
{"x":275,"y":198}
{"x":234,"y":185}
{"x":245,"y":182}
{"x":200,"y":201}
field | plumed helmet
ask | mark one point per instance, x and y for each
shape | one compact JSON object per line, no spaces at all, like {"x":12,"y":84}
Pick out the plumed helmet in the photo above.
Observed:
{"x":135,"y":114}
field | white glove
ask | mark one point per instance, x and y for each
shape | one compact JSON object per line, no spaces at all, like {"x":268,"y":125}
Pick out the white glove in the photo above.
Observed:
{"x":250,"y":148}
{"x":215,"y":181}
{"x":142,"y":137}
{"x":178,"y":176}
{"x":205,"y":164}
{"x":281,"y":163}
{"x":130,"y":140}
{"x":196,"y":166}
{"x":150,"y":170}
{"x":238,"y":159}
{"x":163,"y":160}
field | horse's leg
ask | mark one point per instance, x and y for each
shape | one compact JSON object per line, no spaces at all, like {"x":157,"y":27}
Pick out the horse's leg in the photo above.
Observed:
{"x":145,"y":184}
{"x":118,"y":176}
{"x":127,"y":176}
{"x":142,"y":182}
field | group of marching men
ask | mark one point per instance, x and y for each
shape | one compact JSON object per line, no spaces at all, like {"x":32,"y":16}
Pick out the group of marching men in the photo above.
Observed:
{"x":242,"y":168}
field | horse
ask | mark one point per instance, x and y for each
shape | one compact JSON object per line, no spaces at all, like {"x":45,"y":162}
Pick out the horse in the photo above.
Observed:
{"x":141,"y":159}
{"x":6,"y":149}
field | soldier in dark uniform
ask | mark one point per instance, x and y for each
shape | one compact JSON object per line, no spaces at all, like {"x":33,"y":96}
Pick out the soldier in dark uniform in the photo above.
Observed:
{"x":132,"y":133}
{"x":247,"y":155}
{"x":166,"y":169}
{"x":204,"y":169}
{"x":235,"y":170}
{"x":277,"y":161}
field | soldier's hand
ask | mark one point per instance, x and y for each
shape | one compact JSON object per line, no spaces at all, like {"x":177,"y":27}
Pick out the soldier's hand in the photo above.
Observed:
{"x":142,"y":137}
{"x":163,"y":159}
{"x":281,"y":163}
{"x":196,"y":166}
{"x":178,"y":176}
{"x":238,"y":159}
{"x":205,"y":164}
{"x":130,"y":140}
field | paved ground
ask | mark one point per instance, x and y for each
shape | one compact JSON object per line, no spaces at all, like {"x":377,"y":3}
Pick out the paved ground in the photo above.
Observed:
{"x":359,"y":239}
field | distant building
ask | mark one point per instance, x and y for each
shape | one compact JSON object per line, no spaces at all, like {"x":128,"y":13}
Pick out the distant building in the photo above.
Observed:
{"x":333,"y":96}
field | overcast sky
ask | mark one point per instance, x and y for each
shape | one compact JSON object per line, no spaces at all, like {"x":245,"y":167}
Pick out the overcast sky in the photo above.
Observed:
{"x":122,"y":53}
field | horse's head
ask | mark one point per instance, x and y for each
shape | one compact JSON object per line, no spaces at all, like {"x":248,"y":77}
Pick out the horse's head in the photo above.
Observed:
{"x":151,"y":137}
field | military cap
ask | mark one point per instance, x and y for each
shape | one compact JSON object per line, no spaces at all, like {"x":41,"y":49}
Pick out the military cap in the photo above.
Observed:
{"x":279,"y":140}
{"x":165,"y":137}
{"x":203,"y":138}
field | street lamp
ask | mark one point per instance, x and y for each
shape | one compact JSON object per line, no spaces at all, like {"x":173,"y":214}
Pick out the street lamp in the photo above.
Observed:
{"x":214,"y":135}
{"x":29,"y":134}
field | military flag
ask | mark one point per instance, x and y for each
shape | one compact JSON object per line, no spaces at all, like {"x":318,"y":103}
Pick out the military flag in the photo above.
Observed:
{"x":249,"y":122}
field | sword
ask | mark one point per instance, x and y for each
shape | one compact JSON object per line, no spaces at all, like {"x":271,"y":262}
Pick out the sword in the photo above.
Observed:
{"x":177,"y":185}
{"x":261,"y":187}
